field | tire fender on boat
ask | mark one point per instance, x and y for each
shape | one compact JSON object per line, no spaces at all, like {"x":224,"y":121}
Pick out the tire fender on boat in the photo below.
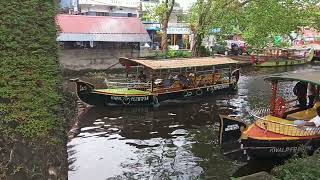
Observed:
{"x":199,"y":92}
{"x":155,"y":100}
{"x":126,"y":100}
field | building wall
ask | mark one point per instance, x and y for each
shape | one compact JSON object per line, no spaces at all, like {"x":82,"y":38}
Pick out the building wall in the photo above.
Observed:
{"x":119,"y":3}
{"x":80,"y":59}
{"x":91,"y":10}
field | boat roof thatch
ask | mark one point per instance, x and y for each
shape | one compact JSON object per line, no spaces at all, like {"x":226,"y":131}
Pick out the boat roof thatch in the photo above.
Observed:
{"x":309,"y":77}
{"x":177,"y":63}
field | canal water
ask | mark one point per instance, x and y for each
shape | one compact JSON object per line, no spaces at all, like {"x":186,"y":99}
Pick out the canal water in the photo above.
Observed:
{"x":178,"y":140}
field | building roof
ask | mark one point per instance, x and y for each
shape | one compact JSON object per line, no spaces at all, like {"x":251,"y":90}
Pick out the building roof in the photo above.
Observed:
{"x":177,"y":63}
{"x":101,"y":28}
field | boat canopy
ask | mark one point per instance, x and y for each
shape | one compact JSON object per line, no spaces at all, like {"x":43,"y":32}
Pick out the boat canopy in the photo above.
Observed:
{"x":177,"y":63}
{"x":310,"y":77}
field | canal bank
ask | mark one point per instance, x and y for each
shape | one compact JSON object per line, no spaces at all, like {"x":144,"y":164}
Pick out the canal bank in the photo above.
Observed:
{"x":34,"y":109}
{"x":179,"y":139}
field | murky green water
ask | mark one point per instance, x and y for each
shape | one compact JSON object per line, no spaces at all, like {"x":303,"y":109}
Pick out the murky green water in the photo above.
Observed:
{"x":178,"y":140}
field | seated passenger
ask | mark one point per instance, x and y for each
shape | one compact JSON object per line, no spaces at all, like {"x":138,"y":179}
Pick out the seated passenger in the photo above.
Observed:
{"x":300,"y":90}
{"x":167,"y":83}
{"x":142,"y":77}
{"x":313,"y":122}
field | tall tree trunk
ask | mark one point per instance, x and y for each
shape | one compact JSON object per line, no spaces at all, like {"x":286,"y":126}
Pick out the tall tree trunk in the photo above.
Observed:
{"x":164,"y":36}
{"x":197,"y":42}
{"x":164,"y":26}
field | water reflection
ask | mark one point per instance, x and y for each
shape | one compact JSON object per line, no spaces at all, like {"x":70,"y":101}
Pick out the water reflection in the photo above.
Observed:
{"x":178,"y":140}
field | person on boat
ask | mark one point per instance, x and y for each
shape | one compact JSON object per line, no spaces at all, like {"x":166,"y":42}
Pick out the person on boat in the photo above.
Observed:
{"x":142,"y":77}
{"x":300,"y":90}
{"x":314,"y":121}
{"x":311,"y":94}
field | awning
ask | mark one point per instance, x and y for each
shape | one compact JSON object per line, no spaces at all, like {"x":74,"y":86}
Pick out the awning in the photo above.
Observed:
{"x":104,"y":37}
{"x":101,"y":28}
{"x":177,"y":63}
{"x":310,"y":77}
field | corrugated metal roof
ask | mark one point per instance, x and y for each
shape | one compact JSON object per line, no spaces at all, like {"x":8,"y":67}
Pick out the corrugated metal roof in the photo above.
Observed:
{"x":101,"y":28}
{"x":104,"y":37}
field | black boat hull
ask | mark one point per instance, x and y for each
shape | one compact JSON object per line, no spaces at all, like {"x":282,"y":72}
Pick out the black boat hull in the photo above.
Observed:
{"x":87,"y":94}
{"x":264,"y":149}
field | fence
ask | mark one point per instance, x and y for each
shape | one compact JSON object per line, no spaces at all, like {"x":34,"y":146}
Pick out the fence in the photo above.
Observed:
{"x":281,"y":127}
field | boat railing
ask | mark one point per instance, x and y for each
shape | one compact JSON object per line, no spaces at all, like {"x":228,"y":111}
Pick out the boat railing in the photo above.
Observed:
{"x":129,"y":85}
{"x":259,"y":112}
{"x":284,"y":128}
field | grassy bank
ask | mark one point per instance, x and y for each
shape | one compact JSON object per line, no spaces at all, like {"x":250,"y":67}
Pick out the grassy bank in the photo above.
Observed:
{"x":306,"y":167}
{"x":32,"y":121}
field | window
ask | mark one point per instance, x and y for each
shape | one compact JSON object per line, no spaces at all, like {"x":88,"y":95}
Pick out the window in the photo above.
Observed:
{"x":103,"y":14}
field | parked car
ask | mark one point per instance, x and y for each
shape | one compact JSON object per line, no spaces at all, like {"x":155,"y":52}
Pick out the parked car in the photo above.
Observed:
{"x":239,"y":46}
{"x":230,"y":47}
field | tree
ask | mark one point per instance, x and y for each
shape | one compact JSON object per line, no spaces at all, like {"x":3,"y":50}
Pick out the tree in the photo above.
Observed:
{"x":258,"y":21}
{"x":165,"y":10}
{"x":161,"y":13}
{"x":200,"y":21}
{"x":262,"y":20}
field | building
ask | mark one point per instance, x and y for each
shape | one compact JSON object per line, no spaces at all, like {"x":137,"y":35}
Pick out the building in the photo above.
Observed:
{"x":178,"y":34}
{"x":98,"y":41}
{"x":69,"y":6}
{"x":121,"y":8}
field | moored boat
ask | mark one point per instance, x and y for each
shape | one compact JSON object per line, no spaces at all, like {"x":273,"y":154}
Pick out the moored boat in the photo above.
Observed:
{"x":148,"y":82}
{"x":274,"y":132}
{"x":281,"y":57}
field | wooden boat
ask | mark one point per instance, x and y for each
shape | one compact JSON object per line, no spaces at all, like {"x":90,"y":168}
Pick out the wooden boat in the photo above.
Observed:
{"x":273,"y":132}
{"x":281,"y":57}
{"x":165,"y":79}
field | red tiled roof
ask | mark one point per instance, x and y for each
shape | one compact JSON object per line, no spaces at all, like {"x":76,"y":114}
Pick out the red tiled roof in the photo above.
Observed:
{"x":99,"y":24}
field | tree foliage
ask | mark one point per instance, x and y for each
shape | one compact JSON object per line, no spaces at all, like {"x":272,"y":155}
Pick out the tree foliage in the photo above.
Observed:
{"x":257,"y":21}
{"x":161,"y":13}
{"x":201,"y":16}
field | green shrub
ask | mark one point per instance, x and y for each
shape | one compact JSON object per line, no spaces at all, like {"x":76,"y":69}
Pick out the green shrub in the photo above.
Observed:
{"x":299,"y":168}
{"x":31,"y":99}
{"x":177,"y":54}
{"x":203,"y":51}
{"x":171,"y":54}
